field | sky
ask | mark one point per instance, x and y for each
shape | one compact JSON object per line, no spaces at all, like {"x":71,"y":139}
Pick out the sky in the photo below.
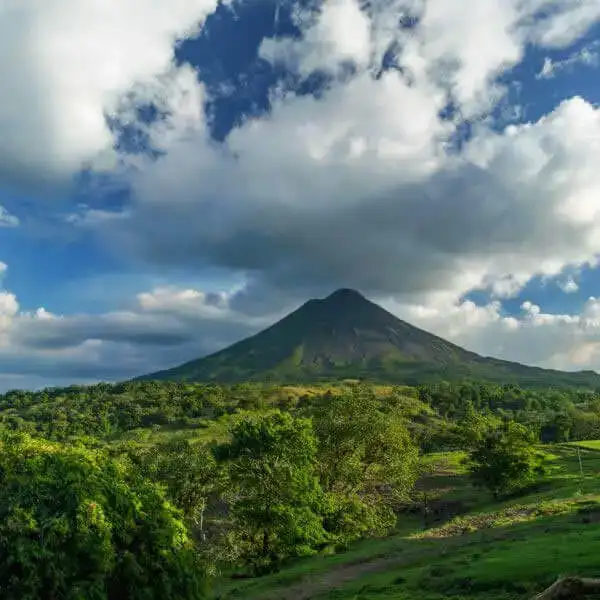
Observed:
{"x":175,"y":176}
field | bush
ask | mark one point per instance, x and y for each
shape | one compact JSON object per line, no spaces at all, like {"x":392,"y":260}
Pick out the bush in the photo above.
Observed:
{"x":505,"y":459}
{"x":75,"y":524}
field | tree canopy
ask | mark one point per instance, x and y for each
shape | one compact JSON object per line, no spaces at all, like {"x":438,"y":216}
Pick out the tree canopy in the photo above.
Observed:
{"x":75,"y":524}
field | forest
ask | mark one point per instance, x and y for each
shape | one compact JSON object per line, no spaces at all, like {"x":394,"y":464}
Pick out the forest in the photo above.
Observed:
{"x":165,"y":490}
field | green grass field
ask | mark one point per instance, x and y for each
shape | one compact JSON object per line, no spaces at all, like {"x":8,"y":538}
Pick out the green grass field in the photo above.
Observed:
{"x":477,"y":549}
{"x":588,"y":444}
{"x":199,"y":430}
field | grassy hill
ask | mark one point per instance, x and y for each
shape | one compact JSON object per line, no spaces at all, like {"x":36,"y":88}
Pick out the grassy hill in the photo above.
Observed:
{"x":470,"y":548}
{"x":347,"y":336}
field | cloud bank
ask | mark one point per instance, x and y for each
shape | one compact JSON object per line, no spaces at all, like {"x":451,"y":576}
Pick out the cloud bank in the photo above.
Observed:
{"x":398,"y":176}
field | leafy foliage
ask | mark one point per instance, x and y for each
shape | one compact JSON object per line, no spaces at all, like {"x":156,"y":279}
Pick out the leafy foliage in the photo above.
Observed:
{"x":275,"y":498}
{"x":188,"y":471}
{"x":301,"y":466}
{"x":74,"y":524}
{"x":367,"y":462}
{"x":505,"y":459}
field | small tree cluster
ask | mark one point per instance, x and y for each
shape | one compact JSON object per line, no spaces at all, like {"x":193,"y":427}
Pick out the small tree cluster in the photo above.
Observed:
{"x":274,"y":495}
{"x":297,"y":483}
{"x":367,"y":462}
{"x":505,"y":459}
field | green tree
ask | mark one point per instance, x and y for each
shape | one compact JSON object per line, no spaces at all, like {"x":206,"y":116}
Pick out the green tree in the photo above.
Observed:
{"x":505,"y":459}
{"x":475,"y":425}
{"x":274,"y":495}
{"x":558,"y":428}
{"x":75,"y":524}
{"x":189,"y":472}
{"x":367,"y":461}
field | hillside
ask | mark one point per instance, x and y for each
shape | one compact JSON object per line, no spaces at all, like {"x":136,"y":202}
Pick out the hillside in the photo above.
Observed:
{"x":346,"y":335}
{"x":469,"y":547}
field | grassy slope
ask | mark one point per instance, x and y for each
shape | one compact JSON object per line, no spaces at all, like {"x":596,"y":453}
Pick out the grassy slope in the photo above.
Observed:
{"x":497,"y":551}
{"x":589,"y":444}
{"x":233,"y":368}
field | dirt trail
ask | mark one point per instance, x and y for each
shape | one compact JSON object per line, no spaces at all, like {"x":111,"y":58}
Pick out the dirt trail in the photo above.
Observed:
{"x":312,"y":586}
{"x":315,"y":586}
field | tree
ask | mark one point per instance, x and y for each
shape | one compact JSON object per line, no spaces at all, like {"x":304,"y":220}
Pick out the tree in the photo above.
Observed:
{"x":505,"y":459}
{"x":275,"y":499}
{"x":367,"y":462}
{"x":475,"y":425}
{"x":189,"y":472}
{"x":558,"y":427}
{"x":75,"y":524}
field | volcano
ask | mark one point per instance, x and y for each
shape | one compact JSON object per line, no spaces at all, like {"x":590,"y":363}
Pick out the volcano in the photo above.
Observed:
{"x":346,"y":336}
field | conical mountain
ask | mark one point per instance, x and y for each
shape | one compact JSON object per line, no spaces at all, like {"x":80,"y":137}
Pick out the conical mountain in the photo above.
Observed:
{"x":347,"y":336}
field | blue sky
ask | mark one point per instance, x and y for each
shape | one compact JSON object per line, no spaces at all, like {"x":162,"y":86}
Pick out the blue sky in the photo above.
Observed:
{"x":173,"y":179}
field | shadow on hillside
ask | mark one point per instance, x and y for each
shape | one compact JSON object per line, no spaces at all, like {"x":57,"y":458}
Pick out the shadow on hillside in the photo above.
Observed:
{"x":511,"y":561}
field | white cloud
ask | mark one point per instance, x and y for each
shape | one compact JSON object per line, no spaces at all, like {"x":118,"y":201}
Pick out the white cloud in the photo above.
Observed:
{"x":92,"y":217}
{"x":445,"y":48}
{"x":65,"y":64}
{"x":6,"y":219}
{"x":588,"y":55}
{"x":507,"y":285}
{"x":463,"y":52}
{"x":564,"y":21}
{"x":555,"y":341}
{"x":68,"y":63}
{"x":161,"y":328}
{"x":340,"y":34}
{"x":569,"y":285}
{"x":356,"y":189}
{"x":359,"y":188}
{"x":464,"y":58}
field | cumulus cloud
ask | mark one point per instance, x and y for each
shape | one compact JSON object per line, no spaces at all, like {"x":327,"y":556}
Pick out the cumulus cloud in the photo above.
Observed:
{"x":534,"y":337}
{"x":342,"y":33}
{"x":569,"y":285}
{"x":561,"y":22}
{"x":161,"y":328}
{"x":444,"y":48}
{"x":66,"y":64}
{"x":348,"y":190}
{"x":363,"y":185}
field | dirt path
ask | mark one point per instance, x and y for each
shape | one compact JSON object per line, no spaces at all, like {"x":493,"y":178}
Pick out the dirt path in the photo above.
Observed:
{"x":315,"y":586}
{"x":312,"y":586}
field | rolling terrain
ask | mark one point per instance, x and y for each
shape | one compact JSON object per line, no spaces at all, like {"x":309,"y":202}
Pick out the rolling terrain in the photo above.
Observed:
{"x":469,"y":547}
{"x":347,"y":336}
